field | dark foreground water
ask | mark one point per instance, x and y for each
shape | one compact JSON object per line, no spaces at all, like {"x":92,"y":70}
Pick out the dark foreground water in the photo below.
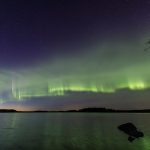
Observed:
{"x":71,"y":131}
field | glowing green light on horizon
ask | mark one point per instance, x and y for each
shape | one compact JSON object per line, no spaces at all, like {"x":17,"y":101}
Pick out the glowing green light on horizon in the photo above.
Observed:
{"x":137,"y":85}
{"x":63,"y":90}
{"x":96,"y":71}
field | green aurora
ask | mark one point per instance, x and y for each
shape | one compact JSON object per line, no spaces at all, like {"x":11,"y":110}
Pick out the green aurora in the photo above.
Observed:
{"x":103,"y":69}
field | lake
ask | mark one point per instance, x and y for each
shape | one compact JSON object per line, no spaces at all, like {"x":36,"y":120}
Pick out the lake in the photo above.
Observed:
{"x":71,"y":131}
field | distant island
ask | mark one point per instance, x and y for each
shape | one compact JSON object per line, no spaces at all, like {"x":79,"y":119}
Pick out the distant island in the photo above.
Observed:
{"x":108,"y":110}
{"x":86,"y":110}
{"x":7,"y":110}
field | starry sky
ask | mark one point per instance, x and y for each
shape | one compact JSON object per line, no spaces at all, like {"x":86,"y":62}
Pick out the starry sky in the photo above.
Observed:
{"x":66,"y":54}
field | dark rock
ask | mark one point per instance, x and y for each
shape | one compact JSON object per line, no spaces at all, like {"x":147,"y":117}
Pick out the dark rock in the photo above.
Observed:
{"x":131,"y":130}
{"x":130,"y":138}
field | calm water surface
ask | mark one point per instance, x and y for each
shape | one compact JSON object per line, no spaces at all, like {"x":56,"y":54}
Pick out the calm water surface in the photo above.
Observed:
{"x":71,"y":131}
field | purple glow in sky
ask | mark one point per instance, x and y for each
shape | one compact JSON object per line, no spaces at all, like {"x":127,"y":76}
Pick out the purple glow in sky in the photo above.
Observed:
{"x":63,"y":54}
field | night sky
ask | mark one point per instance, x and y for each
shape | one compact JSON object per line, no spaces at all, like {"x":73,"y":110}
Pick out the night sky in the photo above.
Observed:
{"x":70,"y":54}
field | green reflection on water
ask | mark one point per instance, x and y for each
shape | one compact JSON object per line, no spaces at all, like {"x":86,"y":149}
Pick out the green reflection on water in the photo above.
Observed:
{"x":60,"y":131}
